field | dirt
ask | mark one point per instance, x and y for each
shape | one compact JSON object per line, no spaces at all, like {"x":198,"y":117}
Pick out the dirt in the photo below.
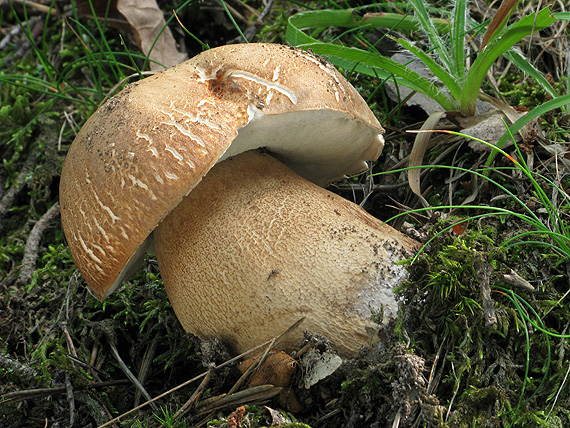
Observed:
{"x":442,"y":363}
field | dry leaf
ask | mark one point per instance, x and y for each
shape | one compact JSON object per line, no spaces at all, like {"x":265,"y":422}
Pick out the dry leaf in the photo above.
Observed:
{"x":147,"y":21}
{"x":317,"y":365}
{"x":278,"y":369}
{"x":499,"y":20}
{"x":234,"y":419}
{"x":277,"y":417}
{"x":418,"y":151}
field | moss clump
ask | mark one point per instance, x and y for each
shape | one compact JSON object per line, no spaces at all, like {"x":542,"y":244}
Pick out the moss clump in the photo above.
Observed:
{"x":484,"y":373}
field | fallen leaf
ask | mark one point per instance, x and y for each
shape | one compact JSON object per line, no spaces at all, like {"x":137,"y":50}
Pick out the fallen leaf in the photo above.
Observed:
{"x":459,"y":228}
{"x":419,"y":148}
{"x":277,"y":417}
{"x":488,"y":127}
{"x":147,"y":23}
{"x":234,"y":419}
{"x":277,"y":369}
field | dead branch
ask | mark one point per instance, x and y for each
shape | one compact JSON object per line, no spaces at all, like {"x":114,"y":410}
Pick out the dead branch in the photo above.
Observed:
{"x":32,"y":244}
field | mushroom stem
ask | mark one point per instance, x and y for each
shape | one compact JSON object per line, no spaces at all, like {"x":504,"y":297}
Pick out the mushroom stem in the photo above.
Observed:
{"x":255,"y":247}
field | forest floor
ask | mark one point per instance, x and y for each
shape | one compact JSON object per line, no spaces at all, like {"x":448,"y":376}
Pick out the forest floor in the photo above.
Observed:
{"x":481,"y":337}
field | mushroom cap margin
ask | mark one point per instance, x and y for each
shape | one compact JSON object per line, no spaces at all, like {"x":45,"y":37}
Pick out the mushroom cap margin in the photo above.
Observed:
{"x":147,"y":147}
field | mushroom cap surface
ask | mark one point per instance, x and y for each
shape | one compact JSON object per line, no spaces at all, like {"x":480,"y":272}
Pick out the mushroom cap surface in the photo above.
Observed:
{"x":147,"y":147}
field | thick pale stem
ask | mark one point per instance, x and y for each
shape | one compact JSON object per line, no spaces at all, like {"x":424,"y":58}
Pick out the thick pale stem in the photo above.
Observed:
{"x":255,"y":247}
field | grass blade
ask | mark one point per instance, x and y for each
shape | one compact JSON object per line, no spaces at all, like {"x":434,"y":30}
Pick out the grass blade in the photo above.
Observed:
{"x":499,"y":20}
{"x":347,"y":18}
{"x":457,"y":42}
{"x":555,"y":103}
{"x":521,"y":62}
{"x":449,"y":81}
{"x":498,"y":45}
{"x":563,"y":16}
{"x":374,"y":64}
{"x":437,"y":42}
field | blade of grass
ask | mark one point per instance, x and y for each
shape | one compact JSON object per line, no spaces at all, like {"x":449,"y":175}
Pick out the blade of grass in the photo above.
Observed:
{"x":555,"y":103}
{"x":437,"y":42}
{"x":563,"y":16}
{"x":347,"y":18}
{"x":457,"y":41}
{"x":377,"y":65}
{"x":521,"y":62}
{"x":500,"y":44}
{"x":449,"y":81}
{"x":516,"y":300}
{"x":236,"y":26}
{"x":43,"y":87}
{"x":102,"y":77}
{"x":530,"y":218}
{"x":105,"y":42}
{"x":521,"y":165}
{"x":499,"y":20}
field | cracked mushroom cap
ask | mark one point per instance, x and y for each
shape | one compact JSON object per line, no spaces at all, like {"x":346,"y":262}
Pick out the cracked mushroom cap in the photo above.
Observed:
{"x":147,"y":147}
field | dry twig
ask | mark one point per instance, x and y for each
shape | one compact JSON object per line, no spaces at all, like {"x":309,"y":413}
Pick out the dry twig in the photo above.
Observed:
{"x":275,"y":341}
{"x":32,"y":244}
{"x":10,"y":195}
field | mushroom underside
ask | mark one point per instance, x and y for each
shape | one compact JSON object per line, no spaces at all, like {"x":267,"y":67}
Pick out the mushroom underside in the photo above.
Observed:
{"x":255,"y":247}
{"x":312,"y":143}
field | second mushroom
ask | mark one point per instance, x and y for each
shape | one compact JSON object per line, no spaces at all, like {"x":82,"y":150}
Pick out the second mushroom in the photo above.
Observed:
{"x":219,"y":162}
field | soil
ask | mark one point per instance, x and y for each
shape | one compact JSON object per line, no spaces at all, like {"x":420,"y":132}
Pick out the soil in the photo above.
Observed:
{"x":468,"y":349}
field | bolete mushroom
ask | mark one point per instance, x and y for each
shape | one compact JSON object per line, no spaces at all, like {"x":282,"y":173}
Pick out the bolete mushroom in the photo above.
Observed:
{"x":246,"y":245}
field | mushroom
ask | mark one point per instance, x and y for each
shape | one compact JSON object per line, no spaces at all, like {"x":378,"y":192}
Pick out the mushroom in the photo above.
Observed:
{"x":220,"y":160}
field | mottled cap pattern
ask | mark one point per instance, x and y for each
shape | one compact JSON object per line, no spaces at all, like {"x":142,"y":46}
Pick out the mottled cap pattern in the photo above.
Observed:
{"x":147,"y":147}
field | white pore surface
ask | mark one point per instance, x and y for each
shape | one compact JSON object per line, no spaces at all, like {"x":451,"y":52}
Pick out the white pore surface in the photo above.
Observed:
{"x":321,"y":146}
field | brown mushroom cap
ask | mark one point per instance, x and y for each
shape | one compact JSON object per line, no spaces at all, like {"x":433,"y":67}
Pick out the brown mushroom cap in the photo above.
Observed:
{"x":145,"y":149}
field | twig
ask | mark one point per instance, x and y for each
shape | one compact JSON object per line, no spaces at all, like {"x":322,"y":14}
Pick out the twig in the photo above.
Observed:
{"x":200,"y":376}
{"x":559,"y":391}
{"x":127,"y":371}
{"x":514,"y":279}
{"x":252,"y":29}
{"x":145,"y":367}
{"x":70,"y":346}
{"x":249,"y":8}
{"x":194,"y":397}
{"x":261,"y":392}
{"x":8,"y":197}
{"x":70,"y":399}
{"x":34,"y":6}
{"x":24,"y":373}
{"x":397,"y":418}
{"x":27,"y":394}
{"x":251,"y":368}
{"x":13,"y":31}
{"x":455,"y":391}
{"x":433,"y":378}
{"x":32,"y":244}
